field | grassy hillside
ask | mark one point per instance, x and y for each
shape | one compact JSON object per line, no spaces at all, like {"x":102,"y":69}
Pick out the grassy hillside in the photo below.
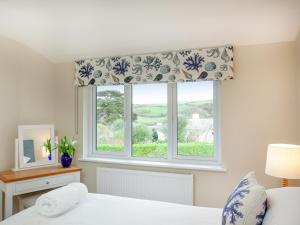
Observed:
{"x":154,"y":117}
{"x":157,"y":113}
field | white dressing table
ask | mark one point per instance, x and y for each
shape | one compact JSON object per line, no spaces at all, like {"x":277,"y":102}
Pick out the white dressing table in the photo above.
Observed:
{"x":14,"y":183}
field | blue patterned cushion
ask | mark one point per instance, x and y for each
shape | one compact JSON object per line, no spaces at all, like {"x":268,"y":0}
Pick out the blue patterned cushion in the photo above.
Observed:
{"x":247,"y":204}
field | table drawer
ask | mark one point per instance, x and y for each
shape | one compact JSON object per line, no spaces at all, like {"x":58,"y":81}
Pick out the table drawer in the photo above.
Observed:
{"x":44,"y":183}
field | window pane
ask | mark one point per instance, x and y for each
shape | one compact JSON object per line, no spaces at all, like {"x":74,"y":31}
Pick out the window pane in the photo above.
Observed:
{"x":195,"y":119}
{"x":149,"y":119}
{"x":110,"y":118}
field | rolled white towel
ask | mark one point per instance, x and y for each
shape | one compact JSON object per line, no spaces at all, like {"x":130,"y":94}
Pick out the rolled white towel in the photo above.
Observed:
{"x":59,"y":201}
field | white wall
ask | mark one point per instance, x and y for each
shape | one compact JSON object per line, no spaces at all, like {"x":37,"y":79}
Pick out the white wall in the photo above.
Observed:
{"x":258,"y":108}
{"x":26,"y":94}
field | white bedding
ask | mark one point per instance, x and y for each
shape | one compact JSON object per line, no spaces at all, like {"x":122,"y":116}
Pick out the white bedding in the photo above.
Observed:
{"x":111,"y":210}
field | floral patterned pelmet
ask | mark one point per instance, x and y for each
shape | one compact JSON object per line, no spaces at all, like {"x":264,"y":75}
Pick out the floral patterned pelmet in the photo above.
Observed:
{"x":173,"y":66}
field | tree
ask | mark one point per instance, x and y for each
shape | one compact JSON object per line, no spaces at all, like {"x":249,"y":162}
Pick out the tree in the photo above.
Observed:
{"x":154,"y":135}
{"x":141,"y":134}
{"x":110,"y":106}
{"x":134,"y":117}
{"x":181,"y":131}
{"x":181,"y":125}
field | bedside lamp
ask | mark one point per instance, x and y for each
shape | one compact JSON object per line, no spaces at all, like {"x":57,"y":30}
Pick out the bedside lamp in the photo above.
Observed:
{"x":283,"y":161}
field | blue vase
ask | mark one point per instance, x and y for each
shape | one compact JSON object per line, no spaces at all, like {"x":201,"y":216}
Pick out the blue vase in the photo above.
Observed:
{"x":66,"y":160}
{"x":50,"y":156}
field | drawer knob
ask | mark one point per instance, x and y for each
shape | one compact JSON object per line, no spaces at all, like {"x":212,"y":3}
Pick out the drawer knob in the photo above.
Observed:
{"x":47,"y":182}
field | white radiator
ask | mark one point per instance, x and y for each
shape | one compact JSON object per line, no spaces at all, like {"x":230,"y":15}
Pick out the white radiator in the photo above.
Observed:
{"x":168,"y":187}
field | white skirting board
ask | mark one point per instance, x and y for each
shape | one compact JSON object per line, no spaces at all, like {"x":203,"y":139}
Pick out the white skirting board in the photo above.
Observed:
{"x":168,"y":187}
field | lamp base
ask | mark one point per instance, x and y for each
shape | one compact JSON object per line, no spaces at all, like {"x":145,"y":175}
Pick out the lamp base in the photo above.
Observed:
{"x":285,"y":182}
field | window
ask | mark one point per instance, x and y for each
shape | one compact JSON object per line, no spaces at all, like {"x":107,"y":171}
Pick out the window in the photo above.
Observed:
{"x":195,"y":122}
{"x":149,"y":118}
{"x":110,"y":118}
{"x":157,"y":122}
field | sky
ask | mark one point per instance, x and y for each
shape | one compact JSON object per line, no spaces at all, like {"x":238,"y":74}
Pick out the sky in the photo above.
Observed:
{"x":157,"y":93}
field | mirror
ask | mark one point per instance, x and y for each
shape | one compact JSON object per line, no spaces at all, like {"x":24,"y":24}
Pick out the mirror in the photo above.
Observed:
{"x":31,"y":149}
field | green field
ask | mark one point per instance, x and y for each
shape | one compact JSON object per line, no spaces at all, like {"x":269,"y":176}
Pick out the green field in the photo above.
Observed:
{"x":159,"y":150}
{"x":157,"y":113}
{"x":150,"y":114}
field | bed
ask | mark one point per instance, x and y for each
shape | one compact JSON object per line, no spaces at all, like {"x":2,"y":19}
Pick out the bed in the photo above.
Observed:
{"x":113,"y":210}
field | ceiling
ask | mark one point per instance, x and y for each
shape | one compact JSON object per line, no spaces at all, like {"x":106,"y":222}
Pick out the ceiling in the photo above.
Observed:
{"x":65,"y":30}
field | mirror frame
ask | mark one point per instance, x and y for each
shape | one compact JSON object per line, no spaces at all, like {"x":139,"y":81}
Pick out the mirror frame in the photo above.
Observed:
{"x":54,"y":158}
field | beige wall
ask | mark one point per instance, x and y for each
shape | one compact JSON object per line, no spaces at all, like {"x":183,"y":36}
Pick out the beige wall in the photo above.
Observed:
{"x":298,"y":82}
{"x":26,"y":94}
{"x":298,"y":85}
{"x":258,"y":108}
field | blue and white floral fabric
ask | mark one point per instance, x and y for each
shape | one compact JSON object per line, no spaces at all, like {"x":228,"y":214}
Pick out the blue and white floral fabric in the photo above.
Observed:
{"x":173,"y":66}
{"x":247,"y":204}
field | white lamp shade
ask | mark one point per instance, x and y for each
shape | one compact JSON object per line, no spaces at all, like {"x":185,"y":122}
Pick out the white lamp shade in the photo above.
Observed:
{"x":283,"y":160}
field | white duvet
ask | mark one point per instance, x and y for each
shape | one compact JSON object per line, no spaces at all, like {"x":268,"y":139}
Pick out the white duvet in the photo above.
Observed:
{"x":111,"y":210}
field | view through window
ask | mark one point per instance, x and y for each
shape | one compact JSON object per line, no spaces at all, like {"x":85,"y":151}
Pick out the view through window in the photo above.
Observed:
{"x":150,"y":116}
{"x":195,"y":122}
{"x":110,"y":118}
{"x":194,"y":117}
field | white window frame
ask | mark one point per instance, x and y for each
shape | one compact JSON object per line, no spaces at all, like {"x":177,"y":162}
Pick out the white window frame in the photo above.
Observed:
{"x":90,"y":132}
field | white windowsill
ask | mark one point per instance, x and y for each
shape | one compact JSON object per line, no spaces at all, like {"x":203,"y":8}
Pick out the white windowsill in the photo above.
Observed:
{"x":214,"y":168}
